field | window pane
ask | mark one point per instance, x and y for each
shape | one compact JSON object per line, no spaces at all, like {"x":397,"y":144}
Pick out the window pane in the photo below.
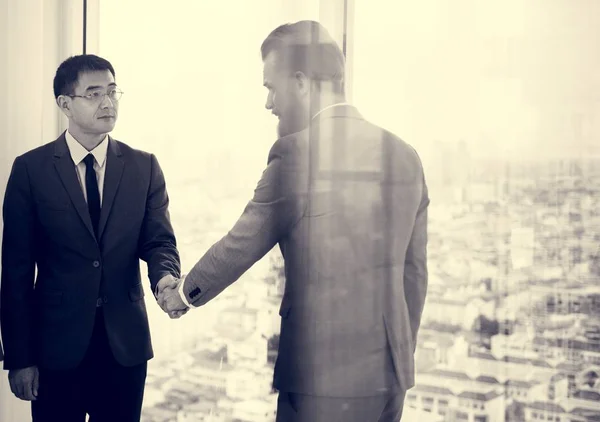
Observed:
{"x":191,"y":73}
{"x":500,"y":101}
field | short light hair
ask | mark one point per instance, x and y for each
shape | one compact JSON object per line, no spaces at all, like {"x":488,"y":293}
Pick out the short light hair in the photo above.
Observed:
{"x":307,"y":47}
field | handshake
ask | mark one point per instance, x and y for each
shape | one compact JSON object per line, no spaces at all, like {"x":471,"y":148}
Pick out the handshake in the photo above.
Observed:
{"x":168,"y":297}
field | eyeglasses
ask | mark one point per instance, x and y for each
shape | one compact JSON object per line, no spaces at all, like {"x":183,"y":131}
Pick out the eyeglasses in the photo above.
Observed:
{"x":98,"y":96}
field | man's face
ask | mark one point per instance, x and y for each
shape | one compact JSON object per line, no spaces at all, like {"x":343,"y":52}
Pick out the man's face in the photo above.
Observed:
{"x":284,"y":98}
{"x":95,"y":115}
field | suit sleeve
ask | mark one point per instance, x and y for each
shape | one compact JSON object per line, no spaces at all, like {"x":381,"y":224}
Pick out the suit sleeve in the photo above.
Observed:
{"x":415,"y":267}
{"x":18,"y":270}
{"x":157,"y":244}
{"x":269,"y":215}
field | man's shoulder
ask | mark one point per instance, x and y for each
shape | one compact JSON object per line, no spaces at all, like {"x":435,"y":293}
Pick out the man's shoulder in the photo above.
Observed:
{"x":130,"y":153}
{"x":290,"y":146}
{"x":127,"y":149}
{"x":396,"y":145}
{"x":38,"y":153}
{"x":386,"y":135}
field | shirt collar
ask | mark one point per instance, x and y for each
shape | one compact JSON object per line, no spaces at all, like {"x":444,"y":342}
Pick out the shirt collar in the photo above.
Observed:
{"x":78,"y":152}
{"x":331,"y":106}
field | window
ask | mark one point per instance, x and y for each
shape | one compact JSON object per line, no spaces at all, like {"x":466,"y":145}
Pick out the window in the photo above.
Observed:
{"x":462,"y":84}
{"x":191,"y":73}
{"x":462,"y":416}
{"x":427,"y":403}
{"x":34,"y":38}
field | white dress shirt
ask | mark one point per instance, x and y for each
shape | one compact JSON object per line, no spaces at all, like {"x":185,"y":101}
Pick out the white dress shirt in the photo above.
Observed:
{"x":330,"y":106}
{"x":181,"y":293}
{"x":78,"y":153}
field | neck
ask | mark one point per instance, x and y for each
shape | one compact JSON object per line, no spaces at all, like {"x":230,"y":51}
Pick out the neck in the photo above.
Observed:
{"x":326,"y":99}
{"x":87,"y":140}
{"x":324,"y":102}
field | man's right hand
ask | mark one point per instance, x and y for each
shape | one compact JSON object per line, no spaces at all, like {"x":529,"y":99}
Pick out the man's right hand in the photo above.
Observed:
{"x":24,"y":383}
{"x":169,"y":284}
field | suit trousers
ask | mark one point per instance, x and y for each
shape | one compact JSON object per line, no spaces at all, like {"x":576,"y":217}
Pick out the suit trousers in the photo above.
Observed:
{"x":293,"y":407}
{"x":99,"y":387}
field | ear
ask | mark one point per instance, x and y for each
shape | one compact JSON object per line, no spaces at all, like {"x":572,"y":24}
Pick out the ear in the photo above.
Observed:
{"x":302,"y":82}
{"x":64,"y":104}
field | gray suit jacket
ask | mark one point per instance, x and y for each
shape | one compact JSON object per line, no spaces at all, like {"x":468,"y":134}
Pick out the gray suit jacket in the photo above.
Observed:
{"x":347,"y":203}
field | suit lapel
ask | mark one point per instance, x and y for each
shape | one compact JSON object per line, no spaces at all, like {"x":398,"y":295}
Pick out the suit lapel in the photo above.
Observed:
{"x":112,"y":179}
{"x":66,"y":170}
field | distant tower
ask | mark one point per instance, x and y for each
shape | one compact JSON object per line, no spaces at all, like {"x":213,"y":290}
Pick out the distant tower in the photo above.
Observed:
{"x":507,"y":175}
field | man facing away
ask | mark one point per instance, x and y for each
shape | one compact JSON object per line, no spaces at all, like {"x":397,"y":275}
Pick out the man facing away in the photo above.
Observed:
{"x":83,"y":210}
{"x":347,"y":203}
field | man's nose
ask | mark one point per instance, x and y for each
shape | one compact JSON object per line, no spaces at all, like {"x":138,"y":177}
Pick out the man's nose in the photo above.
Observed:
{"x":106,"y":102}
{"x":269,"y":103}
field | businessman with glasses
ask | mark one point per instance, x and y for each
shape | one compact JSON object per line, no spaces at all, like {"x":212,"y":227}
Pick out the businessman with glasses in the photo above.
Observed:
{"x":83,"y":210}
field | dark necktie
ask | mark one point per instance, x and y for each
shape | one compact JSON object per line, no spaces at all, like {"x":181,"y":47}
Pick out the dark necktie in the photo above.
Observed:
{"x":93,"y":195}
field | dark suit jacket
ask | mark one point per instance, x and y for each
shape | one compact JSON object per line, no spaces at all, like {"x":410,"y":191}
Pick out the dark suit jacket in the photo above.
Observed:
{"x":47,"y":224}
{"x":347,"y":203}
{"x":1,"y":350}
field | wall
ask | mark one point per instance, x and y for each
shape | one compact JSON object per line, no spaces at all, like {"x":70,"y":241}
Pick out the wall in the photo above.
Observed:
{"x":35,"y":36}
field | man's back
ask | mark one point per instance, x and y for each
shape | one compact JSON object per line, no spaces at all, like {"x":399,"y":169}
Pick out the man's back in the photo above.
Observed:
{"x":347,"y":323}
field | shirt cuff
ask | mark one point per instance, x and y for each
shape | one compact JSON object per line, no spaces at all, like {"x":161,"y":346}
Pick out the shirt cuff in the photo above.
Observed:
{"x":182,"y":294}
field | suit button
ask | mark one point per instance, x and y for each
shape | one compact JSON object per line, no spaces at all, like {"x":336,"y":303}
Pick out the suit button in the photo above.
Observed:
{"x":105,"y":299}
{"x":96,"y":264}
{"x":195,"y":292}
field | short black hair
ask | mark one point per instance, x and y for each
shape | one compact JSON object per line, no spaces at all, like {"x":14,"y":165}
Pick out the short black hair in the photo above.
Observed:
{"x":69,"y":71}
{"x":307,"y":47}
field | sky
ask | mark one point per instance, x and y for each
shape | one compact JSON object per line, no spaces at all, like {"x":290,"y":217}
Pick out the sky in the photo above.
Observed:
{"x":512,"y":79}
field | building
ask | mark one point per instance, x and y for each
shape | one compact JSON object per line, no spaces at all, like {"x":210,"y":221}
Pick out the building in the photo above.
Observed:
{"x":247,"y":384}
{"x":467,"y":406}
{"x":565,"y":299}
{"x":208,"y":375}
{"x":572,"y":409}
{"x":256,"y":410}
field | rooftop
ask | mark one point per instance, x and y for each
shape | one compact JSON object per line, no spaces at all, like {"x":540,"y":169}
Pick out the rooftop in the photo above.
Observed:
{"x":480,"y":396}
{"x":547,"y":406}
{"x":580,"y":411}
{"x":432,"y":389}
{"x":519,"y":383}
{"x":482,"y":355}
{"x":588,"y":395}
{"x":487,"y":379}
{"x":504,"y":370}
{"x":456,"y":385}
{"x":450,"y":374}
{"x":569,"y":367}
